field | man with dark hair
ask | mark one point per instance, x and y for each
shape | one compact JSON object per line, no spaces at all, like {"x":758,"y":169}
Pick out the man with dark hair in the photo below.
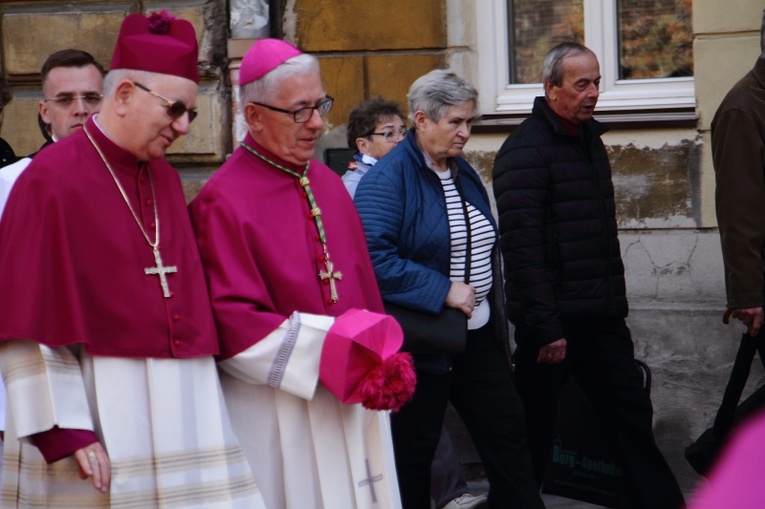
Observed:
{"x":72,"y":84}
{"x":375,"y":126}
{"x":565,"y":277}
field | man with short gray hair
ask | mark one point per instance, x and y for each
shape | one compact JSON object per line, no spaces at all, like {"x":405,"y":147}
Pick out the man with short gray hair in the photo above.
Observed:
{"x":565,"y":277}
{"x":288,"y":269}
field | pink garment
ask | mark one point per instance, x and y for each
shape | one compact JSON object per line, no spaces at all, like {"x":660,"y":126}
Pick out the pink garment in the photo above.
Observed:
{"x":261,"y":249}
{"x":74,"y":257}
{"x":263,"y":57}
{"x":57,"y":443}
{"x":143,"y":39}
{"x":736,"y":481}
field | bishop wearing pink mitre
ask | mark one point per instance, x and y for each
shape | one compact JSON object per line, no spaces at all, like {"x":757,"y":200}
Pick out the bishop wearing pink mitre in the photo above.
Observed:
{"x":106,"y":332}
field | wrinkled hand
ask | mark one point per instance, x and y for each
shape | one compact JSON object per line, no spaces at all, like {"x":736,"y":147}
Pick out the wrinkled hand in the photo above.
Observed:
{"x":553,"y":353}
{"x":751,"y":317}
{"x":461,"y":296}
{"x":94,"y":462}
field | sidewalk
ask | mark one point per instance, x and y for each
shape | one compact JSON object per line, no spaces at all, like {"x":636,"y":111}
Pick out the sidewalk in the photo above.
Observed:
{"x":481,"y":487}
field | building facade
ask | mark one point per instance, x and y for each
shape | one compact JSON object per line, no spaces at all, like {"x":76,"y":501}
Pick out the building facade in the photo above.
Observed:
{"x":666,"y":65}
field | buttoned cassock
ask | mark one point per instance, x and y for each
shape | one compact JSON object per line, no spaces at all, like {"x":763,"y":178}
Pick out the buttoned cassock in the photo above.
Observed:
{"x":262,"y":254}
{"x":90,"y":344}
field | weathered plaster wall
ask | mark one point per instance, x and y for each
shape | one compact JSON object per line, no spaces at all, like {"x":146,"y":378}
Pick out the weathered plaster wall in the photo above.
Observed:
{"x":32,"y":30}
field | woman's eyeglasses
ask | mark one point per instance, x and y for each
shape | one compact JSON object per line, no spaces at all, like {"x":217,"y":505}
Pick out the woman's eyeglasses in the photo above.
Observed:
{"x":392,"y":135}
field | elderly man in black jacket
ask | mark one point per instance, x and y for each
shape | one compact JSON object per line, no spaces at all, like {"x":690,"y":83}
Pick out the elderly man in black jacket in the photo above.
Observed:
{"x":565,"y":277}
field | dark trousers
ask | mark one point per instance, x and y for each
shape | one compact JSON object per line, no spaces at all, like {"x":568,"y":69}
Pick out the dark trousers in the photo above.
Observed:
{"x":446,"y":479}
{"x":480,"y":388}
{"x":600,"y":355}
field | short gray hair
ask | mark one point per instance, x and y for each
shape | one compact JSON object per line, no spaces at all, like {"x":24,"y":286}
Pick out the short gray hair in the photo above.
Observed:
{"x":264,"y":89}
{"x":762,"y":36}
{"x":433,"y":93}
{"x":112,"y":78}
{"x":552,"y":67}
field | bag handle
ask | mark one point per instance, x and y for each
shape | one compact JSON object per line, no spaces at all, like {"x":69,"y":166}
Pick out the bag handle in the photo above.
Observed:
{"x":468,"y":240}
{"x":738,"y":377}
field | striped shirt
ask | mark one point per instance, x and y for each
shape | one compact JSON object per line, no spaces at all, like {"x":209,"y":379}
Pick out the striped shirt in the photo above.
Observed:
{"x":481,"y":244}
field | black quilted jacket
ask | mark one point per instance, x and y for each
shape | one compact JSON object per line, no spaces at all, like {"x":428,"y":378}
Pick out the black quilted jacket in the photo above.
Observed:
{"x":557,"y":226}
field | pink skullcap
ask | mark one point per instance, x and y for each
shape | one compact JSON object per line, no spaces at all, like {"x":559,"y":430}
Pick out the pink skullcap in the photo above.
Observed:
{"x":158,"y":43}
{"x":263,"y":57}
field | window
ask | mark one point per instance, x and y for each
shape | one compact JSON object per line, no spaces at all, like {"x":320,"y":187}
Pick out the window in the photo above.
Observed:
{"x":644,"y":48}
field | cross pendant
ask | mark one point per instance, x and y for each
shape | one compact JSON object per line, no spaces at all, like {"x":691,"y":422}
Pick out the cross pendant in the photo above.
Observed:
{"x":332,"y":277}
{"x":161,"y":271}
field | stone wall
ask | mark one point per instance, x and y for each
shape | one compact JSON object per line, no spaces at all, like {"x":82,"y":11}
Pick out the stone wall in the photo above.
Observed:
{"x":31,"y":30}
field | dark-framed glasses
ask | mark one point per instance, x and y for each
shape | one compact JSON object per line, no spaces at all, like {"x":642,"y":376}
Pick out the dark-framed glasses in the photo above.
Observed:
{"x":303,"y":115}
{"x":392,"y":135}
{"x":67,"y":100}
{"x":175,"y":109}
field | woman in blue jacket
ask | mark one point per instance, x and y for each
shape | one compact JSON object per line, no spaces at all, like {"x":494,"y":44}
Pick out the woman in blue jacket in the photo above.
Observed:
{"x":427,"y":216}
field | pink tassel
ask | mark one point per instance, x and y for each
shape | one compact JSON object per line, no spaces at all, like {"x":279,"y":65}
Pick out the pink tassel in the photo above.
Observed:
{"x":389,"y":385}
{"x":159,"y":22}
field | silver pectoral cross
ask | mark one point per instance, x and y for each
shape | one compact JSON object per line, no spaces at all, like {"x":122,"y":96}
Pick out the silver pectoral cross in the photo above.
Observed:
{"x":332,"y":277}
{"x":161,"y":271}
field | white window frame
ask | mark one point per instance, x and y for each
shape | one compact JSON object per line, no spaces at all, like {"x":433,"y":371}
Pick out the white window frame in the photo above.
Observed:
{"x":600,"y":28}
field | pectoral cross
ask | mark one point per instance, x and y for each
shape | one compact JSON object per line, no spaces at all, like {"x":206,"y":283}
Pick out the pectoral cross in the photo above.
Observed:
{"x":332,"y":277}
{"x":161,"y":271}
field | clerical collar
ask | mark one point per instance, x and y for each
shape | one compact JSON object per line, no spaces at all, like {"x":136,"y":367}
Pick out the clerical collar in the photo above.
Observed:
{"x":330,"y":276}
{"x":124,"y":161}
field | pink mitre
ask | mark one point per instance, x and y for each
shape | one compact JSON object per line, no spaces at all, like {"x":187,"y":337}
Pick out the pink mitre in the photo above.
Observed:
{"x":263,"y":57}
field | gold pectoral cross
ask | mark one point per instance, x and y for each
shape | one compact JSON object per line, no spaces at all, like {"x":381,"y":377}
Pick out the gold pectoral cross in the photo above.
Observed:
{"x":332,"y":277}
{"x":161,"y":271}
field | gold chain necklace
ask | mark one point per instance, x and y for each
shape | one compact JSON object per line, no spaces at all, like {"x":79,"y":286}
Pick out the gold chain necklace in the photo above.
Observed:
{"x":160,"y":269}
{"x":329,"y":275}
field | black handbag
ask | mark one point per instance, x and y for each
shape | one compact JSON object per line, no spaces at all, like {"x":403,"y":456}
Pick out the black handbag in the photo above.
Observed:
{"x":442,"y":333}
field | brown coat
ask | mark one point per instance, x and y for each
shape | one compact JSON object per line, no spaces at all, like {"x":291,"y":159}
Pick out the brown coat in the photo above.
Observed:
{"x":738,"y":151}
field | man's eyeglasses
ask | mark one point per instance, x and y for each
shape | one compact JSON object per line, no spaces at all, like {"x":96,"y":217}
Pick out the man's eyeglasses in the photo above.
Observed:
{"x":175,"y":109}
{"x":66,"y":100}
{"x":392,"y":135}
{"x":303,"y":115}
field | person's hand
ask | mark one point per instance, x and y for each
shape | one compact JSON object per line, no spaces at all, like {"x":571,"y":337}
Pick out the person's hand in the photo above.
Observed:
{"x":462,"y":297}
{"x":553,"y":353}
{"x":94,"y":462}
{"x":751,"y":317}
